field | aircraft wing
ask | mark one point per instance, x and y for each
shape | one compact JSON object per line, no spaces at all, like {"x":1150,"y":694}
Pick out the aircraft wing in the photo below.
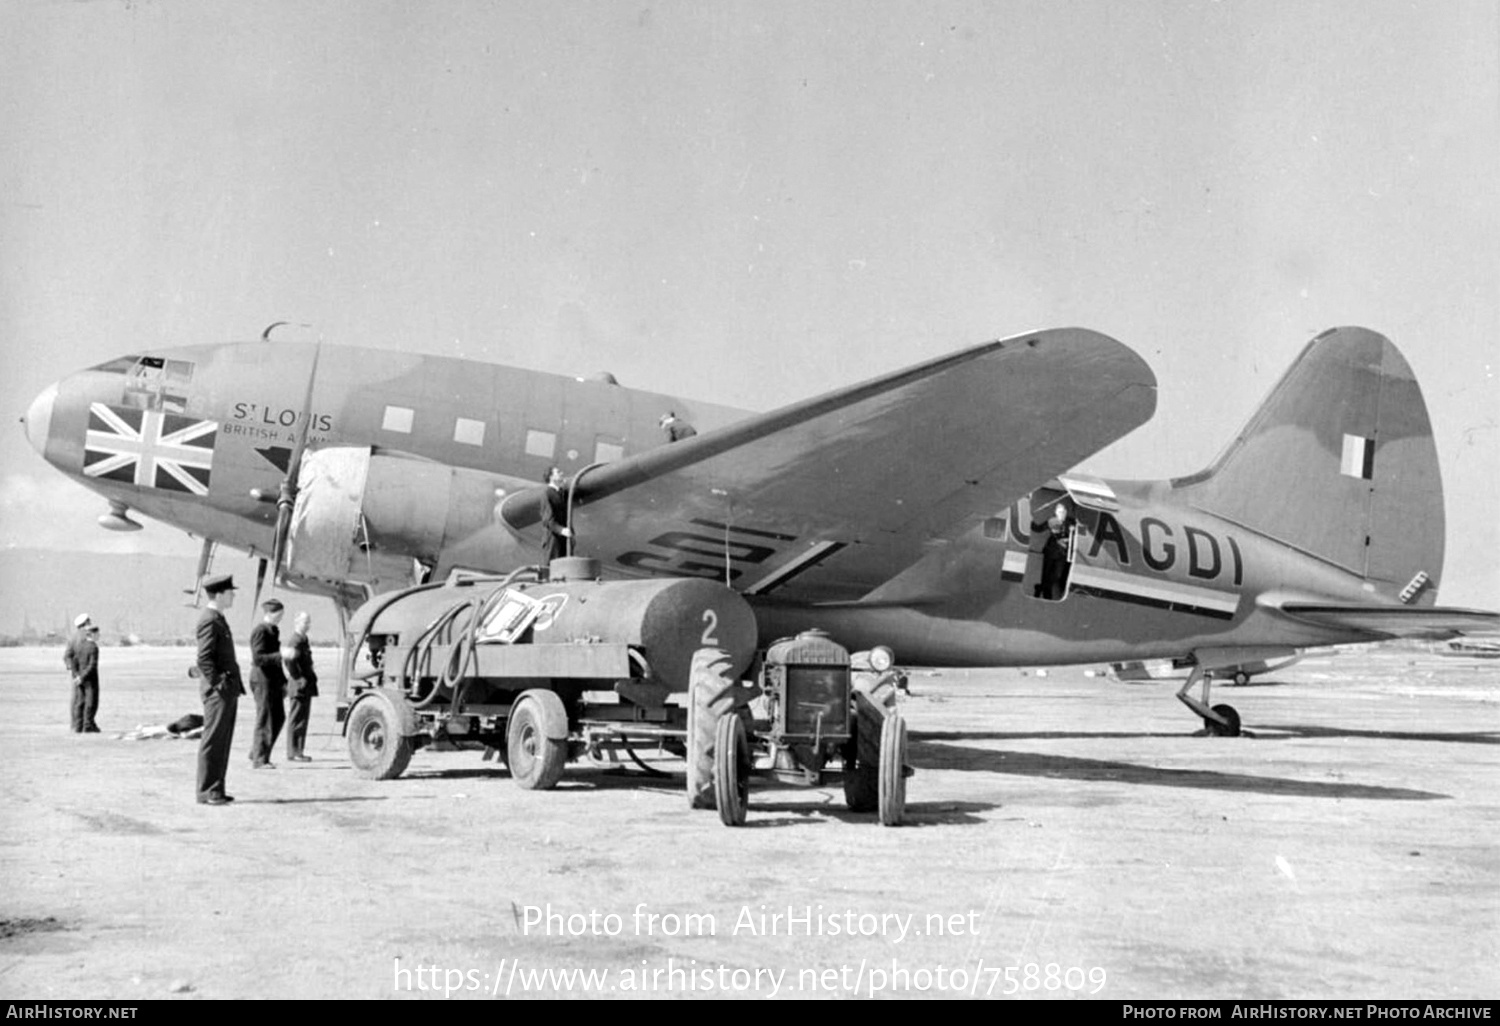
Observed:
{"x":830,"y":496}
{"x":1396,"y":621}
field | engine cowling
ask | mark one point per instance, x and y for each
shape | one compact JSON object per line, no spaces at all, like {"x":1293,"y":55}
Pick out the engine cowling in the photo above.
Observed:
{"x":364,"y":515}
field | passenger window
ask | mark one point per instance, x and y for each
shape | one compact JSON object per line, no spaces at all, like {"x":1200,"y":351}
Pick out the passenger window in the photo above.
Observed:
{"x":540,"y":443}
{"x":469,"y":432}
{"x":397,"y":418}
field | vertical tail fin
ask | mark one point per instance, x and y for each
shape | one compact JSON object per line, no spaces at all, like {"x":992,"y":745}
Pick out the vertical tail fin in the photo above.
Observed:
{"x":1339,"y":462}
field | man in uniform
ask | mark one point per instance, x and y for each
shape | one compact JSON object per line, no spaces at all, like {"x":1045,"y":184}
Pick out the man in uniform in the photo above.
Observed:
{"x":267,"y":683}
{"x":82,"y":659}
{"x":554,"y":518}
{"x":675,"y":428}
{"x":1056,"y":553}
{"x":301,"y":686}
{"x":220,"y":685}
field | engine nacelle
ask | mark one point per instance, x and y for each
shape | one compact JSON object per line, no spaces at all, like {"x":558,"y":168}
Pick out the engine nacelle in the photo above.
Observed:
{"x":364,"y":515}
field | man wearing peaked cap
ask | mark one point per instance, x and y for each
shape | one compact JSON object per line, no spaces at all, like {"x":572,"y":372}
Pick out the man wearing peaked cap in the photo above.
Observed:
{"x":220,"y":686}
{"x":267,"y":683}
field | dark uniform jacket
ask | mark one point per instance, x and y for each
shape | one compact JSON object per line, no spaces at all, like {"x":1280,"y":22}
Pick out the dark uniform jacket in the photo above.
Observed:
{"x":554,"y":522}
{"x":82,"y":658}
{"x":265,"y":656}
{"x":302,"y":679}
{"x":217,"y":666}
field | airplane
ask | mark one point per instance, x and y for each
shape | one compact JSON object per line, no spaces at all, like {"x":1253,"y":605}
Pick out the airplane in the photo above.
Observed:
{"x":909,"y":510}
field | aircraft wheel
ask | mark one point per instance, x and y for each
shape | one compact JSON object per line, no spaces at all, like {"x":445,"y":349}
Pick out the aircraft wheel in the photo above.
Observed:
{"x":377,"y":748}
{"x":1219,"y":729}
{"x":893,"y":770}
{"x":862,"y":756}
{"x":537,"y":740}
{"x":710,"y":695}
{"x":731,"y":769}
{"x":1241,"y":678}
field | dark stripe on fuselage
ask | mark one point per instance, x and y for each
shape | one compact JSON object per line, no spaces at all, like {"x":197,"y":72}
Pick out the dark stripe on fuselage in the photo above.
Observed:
{"x":1155,"y":603}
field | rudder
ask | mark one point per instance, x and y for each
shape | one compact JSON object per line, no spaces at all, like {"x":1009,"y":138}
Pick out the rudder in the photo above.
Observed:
{"x":1339,"y":461}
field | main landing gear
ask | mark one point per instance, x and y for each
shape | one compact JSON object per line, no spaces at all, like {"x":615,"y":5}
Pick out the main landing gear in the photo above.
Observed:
{"x":1218,"y":720}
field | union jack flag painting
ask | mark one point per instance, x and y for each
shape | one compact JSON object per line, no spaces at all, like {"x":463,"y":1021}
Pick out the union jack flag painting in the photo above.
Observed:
{"x":149,"y":448}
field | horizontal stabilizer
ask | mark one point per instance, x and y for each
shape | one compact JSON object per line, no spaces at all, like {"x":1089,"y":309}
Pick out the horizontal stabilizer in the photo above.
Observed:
{"x":1396,"y":621}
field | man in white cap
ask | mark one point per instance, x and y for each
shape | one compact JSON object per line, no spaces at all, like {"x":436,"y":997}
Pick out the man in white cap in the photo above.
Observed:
{"x":82,"y":660}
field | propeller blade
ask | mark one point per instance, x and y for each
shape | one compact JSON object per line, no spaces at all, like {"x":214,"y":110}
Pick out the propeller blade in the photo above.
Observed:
{"x":260,"y":580}
{"x":286,"y":498}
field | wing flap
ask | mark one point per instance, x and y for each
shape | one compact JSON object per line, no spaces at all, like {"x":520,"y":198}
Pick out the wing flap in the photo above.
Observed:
{"x":1396,"y":621}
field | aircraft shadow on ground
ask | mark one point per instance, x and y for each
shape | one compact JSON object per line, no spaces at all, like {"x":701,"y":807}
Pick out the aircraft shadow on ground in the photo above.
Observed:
{"x":762,"y":797}
{"x":1470,"y":737}
{"x":934,"y":755}
{"x":330,"y":800}
{"x":1038,"y":735}
{"x":918,"y":814}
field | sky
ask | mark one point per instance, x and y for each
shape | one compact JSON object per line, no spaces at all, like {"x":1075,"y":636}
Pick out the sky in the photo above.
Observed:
{"x":751,"y":203}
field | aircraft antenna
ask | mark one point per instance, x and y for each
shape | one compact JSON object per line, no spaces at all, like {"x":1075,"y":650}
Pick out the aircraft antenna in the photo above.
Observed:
{"x":728,"y":520}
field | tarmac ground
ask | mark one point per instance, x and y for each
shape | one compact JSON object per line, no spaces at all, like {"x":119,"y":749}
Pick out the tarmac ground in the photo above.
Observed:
{"x":1067,"y":836}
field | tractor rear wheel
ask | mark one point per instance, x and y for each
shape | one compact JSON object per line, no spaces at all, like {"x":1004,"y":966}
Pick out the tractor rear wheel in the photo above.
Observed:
{"x":710,"y":695}
{"x":862,"y":756}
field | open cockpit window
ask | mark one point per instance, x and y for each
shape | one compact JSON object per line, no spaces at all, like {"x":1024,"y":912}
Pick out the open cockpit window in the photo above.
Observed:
{"x":156,"y":383}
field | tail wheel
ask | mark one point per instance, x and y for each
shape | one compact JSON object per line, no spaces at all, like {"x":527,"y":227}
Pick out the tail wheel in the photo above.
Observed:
{"x":377,"y":748}
{"x":731,"y":769}
{"x":893,"y":770}
{"x":1220,"y":729}
{"x":862,"y":756}
{"x":711,"y":689}
{"x":537,"y":740}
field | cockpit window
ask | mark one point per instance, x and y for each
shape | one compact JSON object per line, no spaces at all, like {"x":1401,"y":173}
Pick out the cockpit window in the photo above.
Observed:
{"x":119,"y":365}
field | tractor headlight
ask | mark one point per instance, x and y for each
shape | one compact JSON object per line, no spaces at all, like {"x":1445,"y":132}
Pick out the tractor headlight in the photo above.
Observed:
{"x":881,"y":659}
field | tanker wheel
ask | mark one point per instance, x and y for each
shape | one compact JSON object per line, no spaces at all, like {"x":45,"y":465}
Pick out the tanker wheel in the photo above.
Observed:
{"x":731,"y":769}
{"x":377,"y":748}
{"x":862,"y":756}
{"x":537,"y":740}
{"x":710,"y":695}
{"x":893,"y":770}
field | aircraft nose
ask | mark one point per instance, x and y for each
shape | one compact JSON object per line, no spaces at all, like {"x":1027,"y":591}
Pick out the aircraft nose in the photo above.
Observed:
{"x":38,"y":419}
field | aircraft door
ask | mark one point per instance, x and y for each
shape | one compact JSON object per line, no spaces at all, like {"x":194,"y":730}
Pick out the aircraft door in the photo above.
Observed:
{"x":1054,"y":543}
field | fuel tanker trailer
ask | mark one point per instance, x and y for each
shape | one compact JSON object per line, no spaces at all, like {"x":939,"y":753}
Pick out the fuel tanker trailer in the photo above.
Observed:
{"x":535,"y":671}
